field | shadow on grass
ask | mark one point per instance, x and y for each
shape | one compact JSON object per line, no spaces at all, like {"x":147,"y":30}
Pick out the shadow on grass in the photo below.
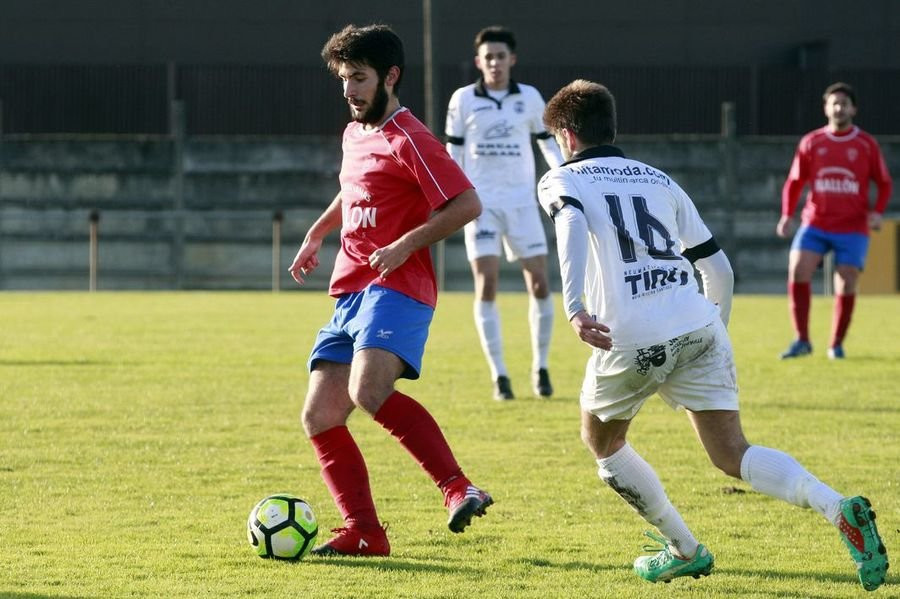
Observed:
{"x":849,"y":578}
{"x":414,"y":565}
{"x":569,"y":566}
{"x":390,"y":564}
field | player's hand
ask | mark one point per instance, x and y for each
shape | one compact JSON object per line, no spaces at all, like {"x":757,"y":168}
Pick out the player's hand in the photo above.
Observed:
{"x":306,"y":259}
{"x":785,"y":227}
{"x":590,"y":331}
{"x":875,"y":221}
{"x":388,"y":259}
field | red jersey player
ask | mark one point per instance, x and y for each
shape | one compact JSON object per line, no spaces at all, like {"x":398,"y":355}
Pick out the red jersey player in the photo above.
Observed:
{"x":837,"y":161}
{"x":399,"y":192}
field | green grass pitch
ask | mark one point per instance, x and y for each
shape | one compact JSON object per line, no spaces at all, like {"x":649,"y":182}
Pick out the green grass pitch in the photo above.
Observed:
{"x":137,"y":430}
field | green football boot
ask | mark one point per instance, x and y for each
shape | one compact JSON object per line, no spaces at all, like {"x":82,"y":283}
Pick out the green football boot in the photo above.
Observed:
{"x":856,"y":524}
{"x":665,"y":565}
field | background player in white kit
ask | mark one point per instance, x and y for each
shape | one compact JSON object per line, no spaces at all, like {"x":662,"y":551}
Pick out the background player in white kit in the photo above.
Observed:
{"x":489,"y":129}
{"x":627,"y":235}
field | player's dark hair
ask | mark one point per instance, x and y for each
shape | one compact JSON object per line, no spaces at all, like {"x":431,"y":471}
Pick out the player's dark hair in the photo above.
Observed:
{"x":495,"y":33}
{"x":840,"y":88}
{"x":587,"y":109}
{"x":376,"y":46}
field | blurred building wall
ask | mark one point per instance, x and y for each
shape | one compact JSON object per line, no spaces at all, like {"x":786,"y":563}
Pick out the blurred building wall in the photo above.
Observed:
{"x":806,"y":33}
{"x":189,"y":127}
{"x":202,"y":213}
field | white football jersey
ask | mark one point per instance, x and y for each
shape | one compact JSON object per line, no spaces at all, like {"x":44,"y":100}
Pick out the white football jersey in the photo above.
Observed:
{"x":639,"y":223}
{"x":496,"y":137}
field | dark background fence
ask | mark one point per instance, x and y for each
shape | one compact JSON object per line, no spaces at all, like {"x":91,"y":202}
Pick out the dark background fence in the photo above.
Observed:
{"x":305,"y":100}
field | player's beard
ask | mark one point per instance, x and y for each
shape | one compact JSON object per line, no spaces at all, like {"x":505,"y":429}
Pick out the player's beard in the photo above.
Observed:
{"x":375,"y":113}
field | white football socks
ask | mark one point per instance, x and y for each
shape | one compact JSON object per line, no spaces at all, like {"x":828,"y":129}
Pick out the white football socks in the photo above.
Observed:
{"x":778,"y":475}
{"x":540,"y":319}
{"x":487,"y":322}
{"x":636,"y":482}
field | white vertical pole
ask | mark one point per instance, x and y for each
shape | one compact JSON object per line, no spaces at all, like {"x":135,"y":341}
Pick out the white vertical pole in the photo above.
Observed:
{"x":93,"y":253}
{"x":828,"y":274}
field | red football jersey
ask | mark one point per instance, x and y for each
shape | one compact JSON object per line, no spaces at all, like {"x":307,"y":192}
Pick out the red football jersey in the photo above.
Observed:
{"x":392,"y":179}
{"x":838,"y":168}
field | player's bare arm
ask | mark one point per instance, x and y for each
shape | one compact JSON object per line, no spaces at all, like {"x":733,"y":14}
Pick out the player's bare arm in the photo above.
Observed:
{"x":790,"y":196}
{"x":590,"y":331}
{"x":450,"y":218}
{"x":875,"y":220}
{"x":307,"y":258}
{"x":785,"y":227}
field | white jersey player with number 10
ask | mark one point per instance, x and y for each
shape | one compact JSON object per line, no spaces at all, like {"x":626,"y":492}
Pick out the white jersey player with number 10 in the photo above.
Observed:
{"x":627,"y":235}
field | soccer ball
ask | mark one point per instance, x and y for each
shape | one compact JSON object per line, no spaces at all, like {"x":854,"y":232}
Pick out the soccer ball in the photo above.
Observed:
{"x":282,"y":527}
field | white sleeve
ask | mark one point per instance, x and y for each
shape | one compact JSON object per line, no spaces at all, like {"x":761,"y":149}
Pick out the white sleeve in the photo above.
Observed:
{"x":558,"y":197}
{"x":550,"y":150}
{"x":572,"y":247}
{"x":455,"y":129}
{"x":546,"y":143}
{"x":455,"y":126}
{"x":457,"y":153}
{"x":718,"y":281}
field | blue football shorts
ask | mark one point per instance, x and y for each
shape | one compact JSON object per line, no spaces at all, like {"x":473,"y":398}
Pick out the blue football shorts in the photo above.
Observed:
{"x":375,"y":317}
{"x":849,"y":248}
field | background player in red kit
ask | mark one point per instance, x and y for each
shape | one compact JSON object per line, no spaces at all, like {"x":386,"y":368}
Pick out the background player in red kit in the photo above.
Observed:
{"x":399,"y":193}
{"x":837,"y":161}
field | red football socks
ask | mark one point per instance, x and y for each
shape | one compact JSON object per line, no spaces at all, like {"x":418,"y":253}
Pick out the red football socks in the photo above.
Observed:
{"x":800,"y":295}
{"x":840,"y":322}
{"x":345,"y":474}
{"x":411,"y":424}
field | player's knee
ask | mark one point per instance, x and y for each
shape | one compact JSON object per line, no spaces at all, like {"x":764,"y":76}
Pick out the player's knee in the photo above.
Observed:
{"x":847,"y":279}
{"x":308,"y":422}
{"x":369,"y":398}
{"x":600,"y":446}
{"x":539,"y":289}
{"x":318,"y":420}
{"x":486,"y":289}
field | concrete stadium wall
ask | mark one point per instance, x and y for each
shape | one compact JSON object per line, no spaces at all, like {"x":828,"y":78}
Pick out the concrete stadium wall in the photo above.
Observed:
{"x":201,"y":213}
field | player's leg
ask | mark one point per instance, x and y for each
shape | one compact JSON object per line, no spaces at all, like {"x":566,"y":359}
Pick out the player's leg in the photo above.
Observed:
{"x":849,"y":257}
{"x":635,"y":481}
{"x":482,"y":237}
{"x":540,"y":321}
{"x":616,"y":384}
{"x":324,"y":419}
{"x":486,"y":272}
{"x":805,"y":255}
{"x":390,"y":345}
{"x":526,"y":241}
{"x":343,"y":468}
{"x":768,"y":471}
{"x":705,"y":383}
{"x":779,"y":475}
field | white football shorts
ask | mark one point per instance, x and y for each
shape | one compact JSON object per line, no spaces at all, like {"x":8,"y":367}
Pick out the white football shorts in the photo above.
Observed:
{"x":694,"y":371}
{"x":519,"y":229}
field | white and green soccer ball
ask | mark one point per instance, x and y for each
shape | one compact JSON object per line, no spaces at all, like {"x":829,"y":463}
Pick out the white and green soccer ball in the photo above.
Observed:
{"x":282,"y":527}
